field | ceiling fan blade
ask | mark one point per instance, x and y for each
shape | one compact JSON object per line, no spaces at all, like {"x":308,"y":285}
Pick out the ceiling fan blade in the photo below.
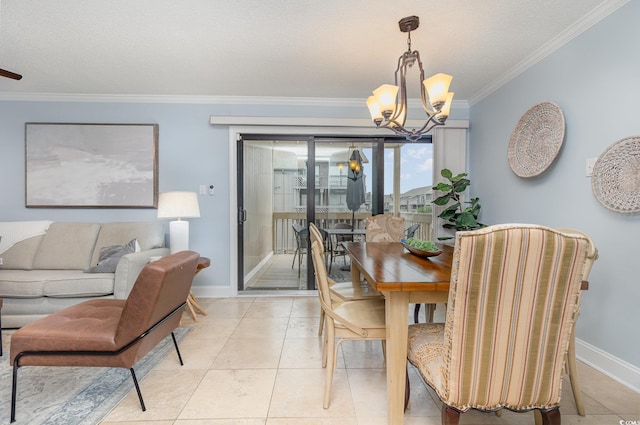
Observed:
{"x":10,"y":74}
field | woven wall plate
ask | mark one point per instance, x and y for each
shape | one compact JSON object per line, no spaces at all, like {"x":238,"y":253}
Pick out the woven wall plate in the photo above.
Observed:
{"x":536,"y":140}
{"x":616,"y":176}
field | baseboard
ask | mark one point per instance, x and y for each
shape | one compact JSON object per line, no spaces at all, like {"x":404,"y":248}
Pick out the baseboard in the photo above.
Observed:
{"x":615,"y":368}
{"x":213,"y":291}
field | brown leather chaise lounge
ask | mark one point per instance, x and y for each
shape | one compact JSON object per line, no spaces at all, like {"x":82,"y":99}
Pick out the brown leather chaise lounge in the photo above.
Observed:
{"x":109,"y":332}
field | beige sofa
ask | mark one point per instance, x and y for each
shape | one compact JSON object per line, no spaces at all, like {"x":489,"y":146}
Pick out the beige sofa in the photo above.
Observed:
{"x":45,"y":273}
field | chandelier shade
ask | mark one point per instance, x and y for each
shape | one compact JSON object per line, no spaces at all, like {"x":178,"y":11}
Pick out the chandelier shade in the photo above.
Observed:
{"x":388,"y":104}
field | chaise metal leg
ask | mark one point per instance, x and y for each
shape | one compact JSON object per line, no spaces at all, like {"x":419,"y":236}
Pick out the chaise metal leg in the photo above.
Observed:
{"x":175,"y":344}
{"x":135,"y":382}
{"x":14,"y":389}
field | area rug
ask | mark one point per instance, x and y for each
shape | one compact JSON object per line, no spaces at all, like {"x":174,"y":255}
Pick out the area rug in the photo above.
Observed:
{"x":73,"y":395}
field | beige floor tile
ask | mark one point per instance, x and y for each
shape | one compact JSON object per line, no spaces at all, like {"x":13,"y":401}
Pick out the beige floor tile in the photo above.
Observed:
{"x":231,"y":394}
{"x":219,"y":422}
{"x":261,"y":327}
{"x":421,"y":401}
{"x":138,"y":423}
{"x":368,"y":391}
{"x":272,"y":309}
{"x":306,"y":307}
{"x":363,"y":354}
{"x":215,"y":328}
{"x":226,"y":309}
{"x":274,"y":299}
{"x":380,"y":420}
{"x":590,"y":420}
{"x":298,"y":393}
{"x":266,"y":355}
{"x":196,"y":354}
{"x":616,"y":397}
{"x":250,"y":353}
{"x":304,"y":353}
{"x":241,"y":298}
{"x":303,"y":327}
{"x":165,"y":393}
{"x":312,"y":421}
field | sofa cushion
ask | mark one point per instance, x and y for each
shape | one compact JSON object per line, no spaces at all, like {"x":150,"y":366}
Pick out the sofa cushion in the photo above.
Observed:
{"x":110,"y":255}
{"x":67,"y":246}
{"x":54,"y":283}
{"x":149,"y":235}
{"x":21,"y":255}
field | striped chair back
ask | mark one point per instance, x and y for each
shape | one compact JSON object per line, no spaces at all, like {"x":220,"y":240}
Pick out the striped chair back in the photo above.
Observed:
{"x":513,"y":300}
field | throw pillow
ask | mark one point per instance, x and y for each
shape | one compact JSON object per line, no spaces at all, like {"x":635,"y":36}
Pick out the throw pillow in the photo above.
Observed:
{"x":110,"y":255}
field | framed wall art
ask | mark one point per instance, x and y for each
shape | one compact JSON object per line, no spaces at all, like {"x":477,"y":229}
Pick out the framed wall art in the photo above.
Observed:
{"x":91,"y":165}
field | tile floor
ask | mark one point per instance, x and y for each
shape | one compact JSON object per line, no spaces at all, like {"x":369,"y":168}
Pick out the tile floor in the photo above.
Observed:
{"x":257,"y":361}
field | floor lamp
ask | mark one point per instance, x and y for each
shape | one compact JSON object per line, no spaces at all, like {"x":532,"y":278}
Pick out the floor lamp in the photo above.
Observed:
{"x":178,"y":205}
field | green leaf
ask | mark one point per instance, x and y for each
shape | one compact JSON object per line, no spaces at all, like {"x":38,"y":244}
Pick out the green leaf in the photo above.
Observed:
{"x":446,"y":173}
{"x":466,"y":220}
{"x":443,"y":187}
{"x":442,"y":200}
{"x":459,"y":177}
{"x":461,"y":185}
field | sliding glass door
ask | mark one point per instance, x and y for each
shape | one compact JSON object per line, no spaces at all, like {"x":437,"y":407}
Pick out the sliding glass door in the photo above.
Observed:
{"x":286,"y":182}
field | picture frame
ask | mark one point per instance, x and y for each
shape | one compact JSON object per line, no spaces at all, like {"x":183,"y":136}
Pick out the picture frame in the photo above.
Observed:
{"x":91,"y":165}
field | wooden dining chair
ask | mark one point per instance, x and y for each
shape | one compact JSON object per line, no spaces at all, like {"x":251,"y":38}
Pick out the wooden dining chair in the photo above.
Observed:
{"x":362,"y":320}
{"x":513,"y":300}
{"x":341,"y":291}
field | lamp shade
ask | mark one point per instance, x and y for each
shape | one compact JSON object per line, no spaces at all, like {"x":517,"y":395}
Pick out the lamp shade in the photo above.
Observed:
{"x":178,"y":205}
{"x":437,"y":88}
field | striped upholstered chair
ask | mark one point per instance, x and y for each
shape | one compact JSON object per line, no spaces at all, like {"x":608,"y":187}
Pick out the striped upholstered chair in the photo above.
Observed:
{"x":513,"y":300}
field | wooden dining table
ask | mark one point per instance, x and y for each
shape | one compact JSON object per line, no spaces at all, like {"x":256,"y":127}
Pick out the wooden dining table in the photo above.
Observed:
{"x":402,"y":278}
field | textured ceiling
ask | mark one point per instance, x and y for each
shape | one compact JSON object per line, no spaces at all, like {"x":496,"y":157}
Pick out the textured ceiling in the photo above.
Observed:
{"x":284,"y":48}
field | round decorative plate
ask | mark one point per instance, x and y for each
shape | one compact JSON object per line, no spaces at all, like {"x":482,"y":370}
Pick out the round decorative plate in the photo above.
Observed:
{"x":616,"y":176}
{"x":419,"y":252}
{"x":536,"y":140}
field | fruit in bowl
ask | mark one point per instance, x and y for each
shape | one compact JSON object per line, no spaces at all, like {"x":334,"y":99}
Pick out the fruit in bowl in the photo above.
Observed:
{"x":422,"y":248}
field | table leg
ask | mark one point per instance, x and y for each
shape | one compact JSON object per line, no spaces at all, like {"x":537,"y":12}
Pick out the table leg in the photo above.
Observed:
{"x":195,"y":305}
{"x":355,"y":280}
{"x":396,"y":316}
{"x":190,"y":307}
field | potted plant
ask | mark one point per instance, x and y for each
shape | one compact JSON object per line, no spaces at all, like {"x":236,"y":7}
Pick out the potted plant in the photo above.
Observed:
{"x":457,"y":216}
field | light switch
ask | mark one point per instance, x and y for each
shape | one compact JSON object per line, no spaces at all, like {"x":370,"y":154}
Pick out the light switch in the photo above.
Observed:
{"x":203,"y":189}
{"x":591,"y":162}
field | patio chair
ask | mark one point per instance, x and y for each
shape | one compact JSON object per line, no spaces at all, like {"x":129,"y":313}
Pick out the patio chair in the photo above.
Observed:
{"x":513,"y":300}
{"x":411,"y":230}
{"x":301,"y":235}
{"x":337,"y":250}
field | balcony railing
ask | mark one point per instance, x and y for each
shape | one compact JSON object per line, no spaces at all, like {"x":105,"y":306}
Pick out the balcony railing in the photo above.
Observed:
{"x":283,"y":236}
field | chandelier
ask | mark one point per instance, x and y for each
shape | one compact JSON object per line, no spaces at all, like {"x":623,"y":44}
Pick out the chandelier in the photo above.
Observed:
{"x":387,"y":112}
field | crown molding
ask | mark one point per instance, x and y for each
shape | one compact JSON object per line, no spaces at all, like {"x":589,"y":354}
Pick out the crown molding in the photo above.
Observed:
{"x":595,"y":16}
{"x":203,"y":100}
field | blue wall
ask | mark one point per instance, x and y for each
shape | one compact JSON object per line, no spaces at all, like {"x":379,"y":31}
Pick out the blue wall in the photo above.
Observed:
{"x":595,"y":79}
{"x":191,"y":152}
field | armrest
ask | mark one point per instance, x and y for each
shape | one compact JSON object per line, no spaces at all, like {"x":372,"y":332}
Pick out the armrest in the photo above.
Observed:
{"x":129,"y":267}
